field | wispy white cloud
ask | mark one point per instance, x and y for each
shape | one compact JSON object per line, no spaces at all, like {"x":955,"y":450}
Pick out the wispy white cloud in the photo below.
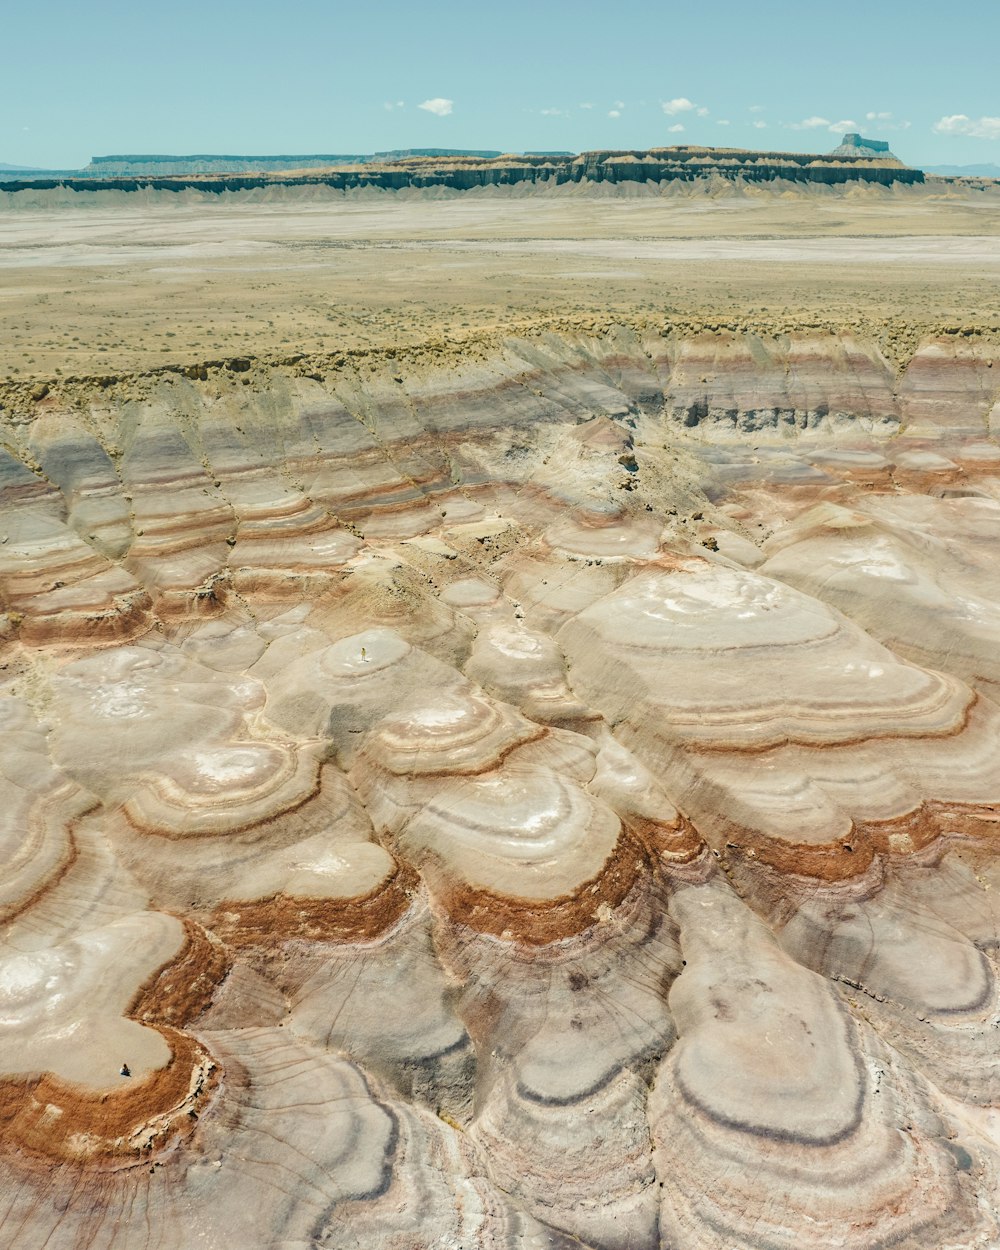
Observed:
{"x":675,"y":129}
{"x":760,"y":125}
{"x":389,"y":105}
{"x":723,"y":121}
{"x":681,"y":105}
{"x":614,"y":112}
{"x":619,"y":105}
{"x":438,"y":106}
{"x":976,"y":127}
{"x":585,"y":106}
{"x":702,"y":112}
{"x":822,"y":123}
{"x":887,"y":121}
{"x":554,"y":112}
{"x":756,"y":108}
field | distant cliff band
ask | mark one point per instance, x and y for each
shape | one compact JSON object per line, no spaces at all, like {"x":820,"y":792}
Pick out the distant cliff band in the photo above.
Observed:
{"x":856,"y":159}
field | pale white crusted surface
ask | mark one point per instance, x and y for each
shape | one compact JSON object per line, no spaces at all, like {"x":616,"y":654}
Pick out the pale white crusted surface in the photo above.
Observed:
{"x":540,"y":803}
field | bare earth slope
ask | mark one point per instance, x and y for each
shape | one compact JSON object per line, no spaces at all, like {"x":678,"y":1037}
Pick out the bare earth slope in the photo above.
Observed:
{"x":531,"y":783}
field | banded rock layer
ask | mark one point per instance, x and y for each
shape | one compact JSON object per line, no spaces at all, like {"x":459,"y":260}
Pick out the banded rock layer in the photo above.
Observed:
{"x":542,"y":799}
{"x":462,"y":171}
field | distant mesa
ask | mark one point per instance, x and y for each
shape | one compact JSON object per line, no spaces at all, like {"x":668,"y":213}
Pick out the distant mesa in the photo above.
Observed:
{"x":854,"y":145}
{"x":856,"y":159}
{"x":25,"y":173}
{"x":141,"y":164}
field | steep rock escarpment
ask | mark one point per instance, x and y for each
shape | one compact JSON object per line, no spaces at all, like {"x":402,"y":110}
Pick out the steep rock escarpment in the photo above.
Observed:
{"x":463,"y":172}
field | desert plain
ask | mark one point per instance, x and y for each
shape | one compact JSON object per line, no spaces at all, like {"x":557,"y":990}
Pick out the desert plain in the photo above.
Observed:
{"x":501,"y":703}
{"x":114,"y":281}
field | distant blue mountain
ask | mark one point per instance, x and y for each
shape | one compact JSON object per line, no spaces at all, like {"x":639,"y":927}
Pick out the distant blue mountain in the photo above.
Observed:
{"x":964,"y":171}
{"x":22,"y":173}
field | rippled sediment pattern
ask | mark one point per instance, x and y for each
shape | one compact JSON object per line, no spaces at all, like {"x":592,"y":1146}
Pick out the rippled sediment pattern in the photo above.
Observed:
{"x":539,"y":799}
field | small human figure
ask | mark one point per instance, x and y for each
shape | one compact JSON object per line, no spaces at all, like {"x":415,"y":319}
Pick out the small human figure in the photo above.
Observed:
{"x":364,"y":656}
{"x":125,"y":1070}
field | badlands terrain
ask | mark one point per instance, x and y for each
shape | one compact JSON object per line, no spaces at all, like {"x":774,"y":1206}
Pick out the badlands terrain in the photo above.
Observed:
{"x":501,"y":702}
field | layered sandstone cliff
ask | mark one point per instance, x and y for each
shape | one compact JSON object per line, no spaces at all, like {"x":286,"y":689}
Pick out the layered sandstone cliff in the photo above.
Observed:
{"x":540,"y":796}
{"x":464,"y":172}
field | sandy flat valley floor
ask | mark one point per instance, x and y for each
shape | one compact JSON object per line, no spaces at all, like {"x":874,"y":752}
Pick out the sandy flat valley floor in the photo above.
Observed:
{"x":108,"y":284}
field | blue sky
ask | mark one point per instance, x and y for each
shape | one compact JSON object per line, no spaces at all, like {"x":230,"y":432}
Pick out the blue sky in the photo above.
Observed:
{"x":304,"y":76}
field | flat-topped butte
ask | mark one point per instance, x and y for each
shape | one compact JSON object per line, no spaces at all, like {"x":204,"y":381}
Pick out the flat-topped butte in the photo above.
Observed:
{"x":465,"y":171}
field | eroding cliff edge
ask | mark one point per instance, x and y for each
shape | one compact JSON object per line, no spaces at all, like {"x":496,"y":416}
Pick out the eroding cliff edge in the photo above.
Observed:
{"x":530,"y":792}
{"x":462,"y":173}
